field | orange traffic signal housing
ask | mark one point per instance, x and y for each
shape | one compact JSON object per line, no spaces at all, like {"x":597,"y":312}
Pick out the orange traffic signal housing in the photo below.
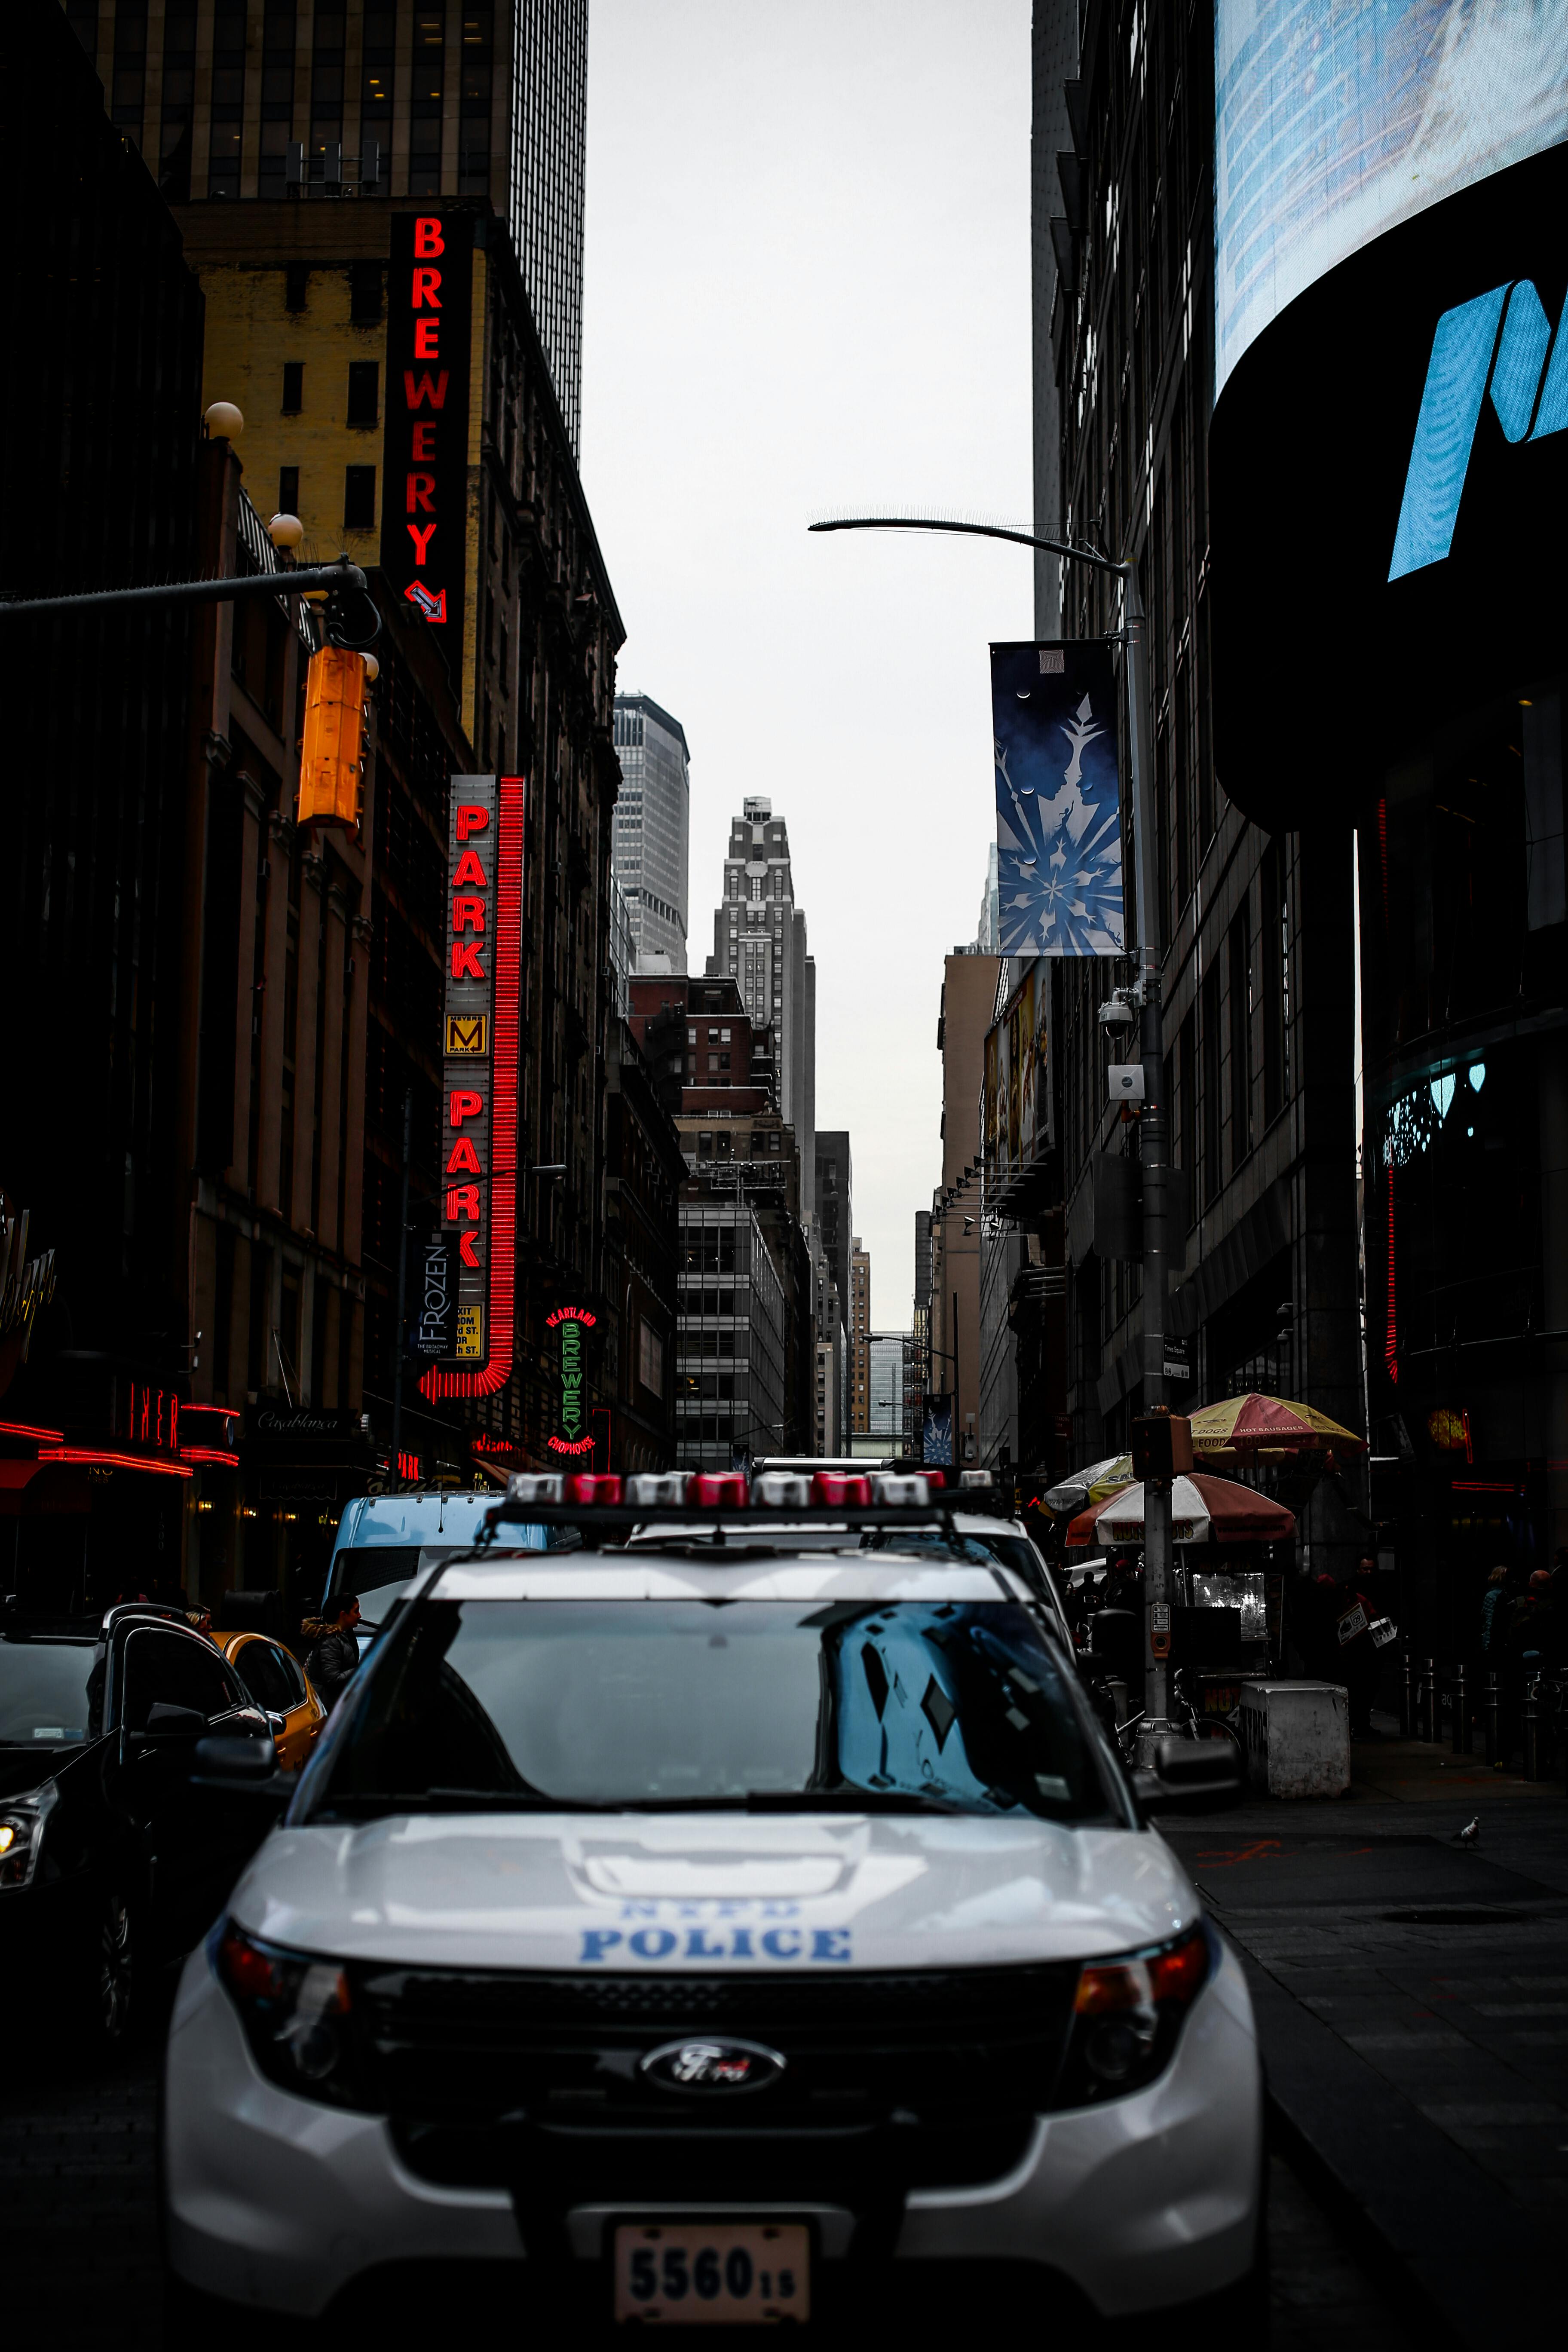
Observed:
{"x":331,"y":756}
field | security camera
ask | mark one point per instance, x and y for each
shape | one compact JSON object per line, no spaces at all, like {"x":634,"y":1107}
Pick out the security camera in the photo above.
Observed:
{"x":1119,"y":1010}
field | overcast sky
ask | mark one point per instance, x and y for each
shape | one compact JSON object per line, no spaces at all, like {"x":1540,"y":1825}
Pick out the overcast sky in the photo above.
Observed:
{"x":807,"y":281}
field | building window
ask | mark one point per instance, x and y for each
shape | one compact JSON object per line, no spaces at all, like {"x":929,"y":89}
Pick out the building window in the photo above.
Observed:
{"x":288,"y":489}
{"x":277,"y":112}
{"x":296,"y":285}
{"x":364,"y":392}
{"x":228,"y":98}
{"x":365,"y":293}
{"x":425,"y":105}
{"x":293,"y":387}
{"x":359,"y":497}
{"x":650,"y":1358}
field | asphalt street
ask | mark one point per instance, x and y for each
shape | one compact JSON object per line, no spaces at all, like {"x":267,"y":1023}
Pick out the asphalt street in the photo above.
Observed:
{"x":79,"y":2223}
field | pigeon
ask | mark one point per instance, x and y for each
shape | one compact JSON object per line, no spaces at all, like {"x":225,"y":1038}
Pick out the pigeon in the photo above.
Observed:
{"x":1470,"y":1833}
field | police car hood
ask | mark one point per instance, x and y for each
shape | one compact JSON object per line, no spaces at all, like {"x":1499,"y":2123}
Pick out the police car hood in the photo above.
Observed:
{"x":631,"y":1891}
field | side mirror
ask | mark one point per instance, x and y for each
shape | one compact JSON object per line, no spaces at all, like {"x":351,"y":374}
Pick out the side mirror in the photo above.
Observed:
{"x":227,"y":1761}
{"x":168,"y":1722}
{"x":1191,"y":1775}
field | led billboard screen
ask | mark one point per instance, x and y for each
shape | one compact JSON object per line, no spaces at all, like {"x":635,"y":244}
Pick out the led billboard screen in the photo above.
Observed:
{"x":1334,"y":124}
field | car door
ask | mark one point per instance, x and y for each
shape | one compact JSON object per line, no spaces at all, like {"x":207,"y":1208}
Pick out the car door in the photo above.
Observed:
{"x":192,"y":1848}
{"x":276,"y":1684}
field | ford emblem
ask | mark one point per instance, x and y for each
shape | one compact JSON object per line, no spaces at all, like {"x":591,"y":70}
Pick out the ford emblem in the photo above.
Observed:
{"x":704,"y":2064}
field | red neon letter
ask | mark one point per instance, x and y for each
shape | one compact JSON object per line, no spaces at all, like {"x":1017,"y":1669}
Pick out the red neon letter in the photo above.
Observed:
{"x":466,"y":960}
{"x":427,"y":284}
{"x":470,"y":870}
{"x":427,"y":238}
{"x":468,"y":915}
{"x":467,"y":1251}
{"x":421,"y":535}
{"x":465,"y":1104}
{"x":463,"y":1201}
{"x":471,"y":818}
{"x":429,"y":388}
{"x":464,"y":1159}
{"x":424,"y":447}
{"x":419,"y":493}
{"x":427,"y":339}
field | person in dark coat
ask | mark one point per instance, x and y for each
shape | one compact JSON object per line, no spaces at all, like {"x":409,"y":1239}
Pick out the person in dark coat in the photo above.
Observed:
{"x":333,"y":1658}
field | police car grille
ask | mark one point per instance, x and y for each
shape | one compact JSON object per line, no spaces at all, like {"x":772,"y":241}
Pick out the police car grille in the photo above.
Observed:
{"x":933,"y":2078}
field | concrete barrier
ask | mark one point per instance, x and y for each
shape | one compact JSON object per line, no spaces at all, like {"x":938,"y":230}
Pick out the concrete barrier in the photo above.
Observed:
{"x":1296,"y":1737}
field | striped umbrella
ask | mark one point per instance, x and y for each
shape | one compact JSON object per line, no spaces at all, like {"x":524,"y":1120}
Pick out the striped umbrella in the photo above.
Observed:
{"x":1203,"y":1509}
{"x":1090,"y":1485}
{"x":1263,"y":1425}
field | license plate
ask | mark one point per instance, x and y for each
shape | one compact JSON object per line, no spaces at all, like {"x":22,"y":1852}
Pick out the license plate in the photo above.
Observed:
{"x":713,"y":2274}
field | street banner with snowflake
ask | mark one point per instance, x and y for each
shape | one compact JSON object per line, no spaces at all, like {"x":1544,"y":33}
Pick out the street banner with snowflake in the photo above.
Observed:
{"x":1059,"y":805}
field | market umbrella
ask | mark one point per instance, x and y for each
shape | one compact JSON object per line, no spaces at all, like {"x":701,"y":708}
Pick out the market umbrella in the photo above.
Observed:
{"x":1264,"y":1425}
{"x":1090,"y":1485}
{"x":1203,"y":1509}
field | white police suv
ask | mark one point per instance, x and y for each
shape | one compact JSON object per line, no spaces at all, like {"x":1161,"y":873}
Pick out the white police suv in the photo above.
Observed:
{"x":721,"y":1928}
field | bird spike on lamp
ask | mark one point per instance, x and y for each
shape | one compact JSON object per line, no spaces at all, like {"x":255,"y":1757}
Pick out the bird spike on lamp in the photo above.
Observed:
{"x":286,"y":531}
{"x":223,"y":420}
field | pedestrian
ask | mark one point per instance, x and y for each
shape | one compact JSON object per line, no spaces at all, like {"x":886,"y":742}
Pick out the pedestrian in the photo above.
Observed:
{"x":1494,"y":1615}
{"x":333,"y":1658}
{"x":1357,"y":1666}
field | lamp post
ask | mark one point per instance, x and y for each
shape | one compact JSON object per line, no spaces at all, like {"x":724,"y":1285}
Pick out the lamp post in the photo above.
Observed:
{"x":1154,"y":1123}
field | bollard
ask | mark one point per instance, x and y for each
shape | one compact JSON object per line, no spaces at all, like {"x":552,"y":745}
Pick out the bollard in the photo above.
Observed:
{"x":1494,"y":1725}
{"x":1533,"y":1715}
{"x":1431,"y":1705}
{"x":1460,"y":1702}
{"x":1407,"y":1699}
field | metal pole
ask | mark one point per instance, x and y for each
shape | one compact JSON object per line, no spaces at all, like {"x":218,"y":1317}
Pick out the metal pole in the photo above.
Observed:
{"x":400,"y":1345}
{"x":193,"y":592}
{"x":1153,"y":1141}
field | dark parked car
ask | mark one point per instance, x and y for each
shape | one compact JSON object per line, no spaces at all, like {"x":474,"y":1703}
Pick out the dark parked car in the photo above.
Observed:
{"x":111,"y":1862}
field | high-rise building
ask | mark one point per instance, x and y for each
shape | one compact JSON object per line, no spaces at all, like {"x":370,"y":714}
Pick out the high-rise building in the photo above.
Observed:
{"x":835,"y":1206}
{"x":988,"y":931}
{"x":968,"y":1007}
{"x":759,"y":940}
{"x":1253,"y":922}
{"x":652,"y":831}
{"x":885,"y":1381}
{"x":859,"y":1339}
{"x":412,"y":97}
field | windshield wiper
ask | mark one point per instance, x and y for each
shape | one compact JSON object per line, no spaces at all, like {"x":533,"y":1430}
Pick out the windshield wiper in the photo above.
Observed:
{"x":751,"y":1801}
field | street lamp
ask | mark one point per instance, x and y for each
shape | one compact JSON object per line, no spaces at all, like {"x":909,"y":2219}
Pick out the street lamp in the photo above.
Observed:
{"x":1142,"y":1001}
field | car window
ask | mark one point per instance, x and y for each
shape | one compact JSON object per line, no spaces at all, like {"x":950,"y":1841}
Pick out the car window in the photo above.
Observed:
{"x":178,"y":1670}
{"x":367,"y":1565}
{"x":47,"y":1691}
{"x":293,"y":1675}
{"x":610,"y":1702}
{"x":260,"y":1666}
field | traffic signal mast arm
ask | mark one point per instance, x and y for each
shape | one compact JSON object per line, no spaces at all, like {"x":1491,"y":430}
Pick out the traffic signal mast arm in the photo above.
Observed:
{"x":309,"y":580}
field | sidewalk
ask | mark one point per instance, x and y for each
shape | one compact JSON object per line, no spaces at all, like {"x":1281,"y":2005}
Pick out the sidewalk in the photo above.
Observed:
{"x":1412,"y":2002}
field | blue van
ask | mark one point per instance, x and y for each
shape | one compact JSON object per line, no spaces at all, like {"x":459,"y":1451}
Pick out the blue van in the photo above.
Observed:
{"x":384,"y":1541}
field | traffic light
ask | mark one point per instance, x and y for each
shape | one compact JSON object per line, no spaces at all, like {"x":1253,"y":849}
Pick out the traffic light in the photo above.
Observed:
{"x":1162,"y":1444}
{"x":331,"y":754}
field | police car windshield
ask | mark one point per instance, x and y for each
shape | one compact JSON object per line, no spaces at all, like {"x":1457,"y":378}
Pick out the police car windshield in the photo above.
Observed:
{"x":574,"y":1704}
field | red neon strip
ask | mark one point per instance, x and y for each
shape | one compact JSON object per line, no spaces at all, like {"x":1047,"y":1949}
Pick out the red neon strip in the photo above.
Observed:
{"x":24,"y":1429}
{"x":224,"y":1412}
{"x":505,"y":1033}
{"x":108,"y":1461}
{"x":1391,"y":1339}
{"x":225,"y":1460}
{"x":1483,"y":1487}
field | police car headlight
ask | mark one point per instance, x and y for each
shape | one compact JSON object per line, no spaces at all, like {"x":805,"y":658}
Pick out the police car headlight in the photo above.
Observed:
{"x":1128,"y":2013}
{"x":298,"y":2014}
{"x":21,"y":1824}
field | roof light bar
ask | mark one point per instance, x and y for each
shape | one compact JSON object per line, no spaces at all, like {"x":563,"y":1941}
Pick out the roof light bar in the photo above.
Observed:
{"x":781,"y":1490}
{"x":718,"y":1490}
{"x":842,"y":1488}
{"x":658,"y":1489}
{"x":889,"y":1488}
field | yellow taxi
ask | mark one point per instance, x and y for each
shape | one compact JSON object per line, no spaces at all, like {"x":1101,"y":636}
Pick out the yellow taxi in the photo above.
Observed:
{"x":276,"y":1681}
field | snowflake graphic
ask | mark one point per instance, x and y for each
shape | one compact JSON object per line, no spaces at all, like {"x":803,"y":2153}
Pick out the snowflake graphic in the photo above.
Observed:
{"x":1059,"y":827}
